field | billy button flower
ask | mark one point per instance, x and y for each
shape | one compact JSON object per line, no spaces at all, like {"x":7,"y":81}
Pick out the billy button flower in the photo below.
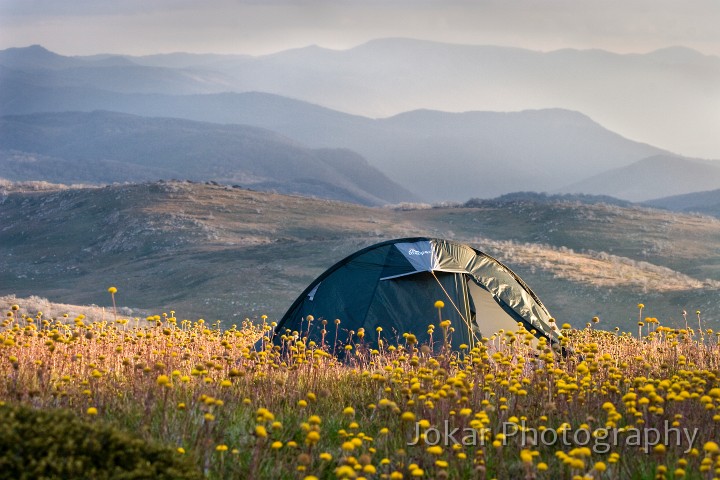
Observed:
{"x":369,"y":469}
{"x":526,"y":456}
{"x":407,"y":417}
{"x":312,"y":438}
{"x":113,"y":291}
{"x":264,"y":415}
{"x":711,"y":448}
{"x":439,"y":304}
{"x":416,"y":471}
{"x":434,"y":450}
{"x":345,"y":471}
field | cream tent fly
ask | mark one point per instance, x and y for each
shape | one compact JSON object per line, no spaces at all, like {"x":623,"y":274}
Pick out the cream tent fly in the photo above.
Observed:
{"x":395,"y":284}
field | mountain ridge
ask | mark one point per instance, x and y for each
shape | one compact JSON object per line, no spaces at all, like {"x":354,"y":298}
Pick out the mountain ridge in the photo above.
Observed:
{"x":387,"y":77}
{"x":653,"y":177}
{"x":142,"y":148}
{"x":542,"y":150}
{"x":705,"y":202}
{"x":480,"y":153}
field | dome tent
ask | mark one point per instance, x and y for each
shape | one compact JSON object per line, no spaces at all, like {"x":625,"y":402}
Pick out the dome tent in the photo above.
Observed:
{"x":395,"y":284}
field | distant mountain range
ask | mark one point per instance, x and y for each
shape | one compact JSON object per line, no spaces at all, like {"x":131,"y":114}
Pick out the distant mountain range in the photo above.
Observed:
{"x":438,"y":156}
{"x":41,"y":67}
{"x":642,"y":96}
{"x":707,"y":203}
{"x":652,"y":178}
{"x":105,"y":147}
{"x":425,"y":154}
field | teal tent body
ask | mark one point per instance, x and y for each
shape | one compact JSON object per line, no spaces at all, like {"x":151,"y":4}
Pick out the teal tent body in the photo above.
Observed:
{"x":395,"y":284}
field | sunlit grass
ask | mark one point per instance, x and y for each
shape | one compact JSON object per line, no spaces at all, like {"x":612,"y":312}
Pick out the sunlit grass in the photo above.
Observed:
{"x":295,"y":411}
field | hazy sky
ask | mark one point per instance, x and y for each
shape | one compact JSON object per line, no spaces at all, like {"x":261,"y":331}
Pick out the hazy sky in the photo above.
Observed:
{"x":79,"y":27}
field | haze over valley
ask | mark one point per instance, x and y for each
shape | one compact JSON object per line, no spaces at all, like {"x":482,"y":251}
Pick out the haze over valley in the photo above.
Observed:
{"x":483,"y":153}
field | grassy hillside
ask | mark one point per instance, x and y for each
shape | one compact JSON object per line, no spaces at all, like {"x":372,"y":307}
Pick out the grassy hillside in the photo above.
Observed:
{"x":226,"y":253}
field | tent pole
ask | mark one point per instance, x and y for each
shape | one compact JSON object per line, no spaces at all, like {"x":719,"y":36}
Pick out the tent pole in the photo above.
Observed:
{"x":471,"y":335}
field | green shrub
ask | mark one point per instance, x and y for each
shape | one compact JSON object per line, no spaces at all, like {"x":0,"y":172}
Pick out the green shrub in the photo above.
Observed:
{"x":55,"y":444}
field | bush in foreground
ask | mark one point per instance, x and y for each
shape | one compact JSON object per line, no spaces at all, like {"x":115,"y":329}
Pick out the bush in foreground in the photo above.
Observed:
{"x":56,"y":444}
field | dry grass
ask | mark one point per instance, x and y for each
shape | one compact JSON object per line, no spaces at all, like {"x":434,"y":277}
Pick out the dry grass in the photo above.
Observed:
{"x":296,"y":412}
{"x":64,"y":312}
{"x":598,"y":269}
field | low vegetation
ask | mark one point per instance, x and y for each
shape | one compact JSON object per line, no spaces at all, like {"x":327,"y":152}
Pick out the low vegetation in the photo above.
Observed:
{"x":621,"y":405}
{"x":248,"y":253}
{"x":53,"y":443}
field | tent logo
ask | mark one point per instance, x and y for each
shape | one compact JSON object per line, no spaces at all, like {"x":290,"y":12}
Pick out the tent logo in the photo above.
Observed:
{"x":412,"y":251}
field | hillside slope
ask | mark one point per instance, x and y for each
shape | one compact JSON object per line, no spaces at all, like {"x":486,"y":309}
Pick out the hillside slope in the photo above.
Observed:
{"x":105,"y":147}
{"x":705,"y":202}
{"x":226,"y":253}
{"x":482,"y":154}
{"x":653,"y":177}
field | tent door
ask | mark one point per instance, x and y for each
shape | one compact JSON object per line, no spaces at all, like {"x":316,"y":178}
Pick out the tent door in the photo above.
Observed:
{"x":462,"y":305}
{"x":488,"y":316}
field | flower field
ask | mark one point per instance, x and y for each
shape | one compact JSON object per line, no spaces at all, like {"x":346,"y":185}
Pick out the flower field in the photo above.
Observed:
{"x":644,"y":404}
